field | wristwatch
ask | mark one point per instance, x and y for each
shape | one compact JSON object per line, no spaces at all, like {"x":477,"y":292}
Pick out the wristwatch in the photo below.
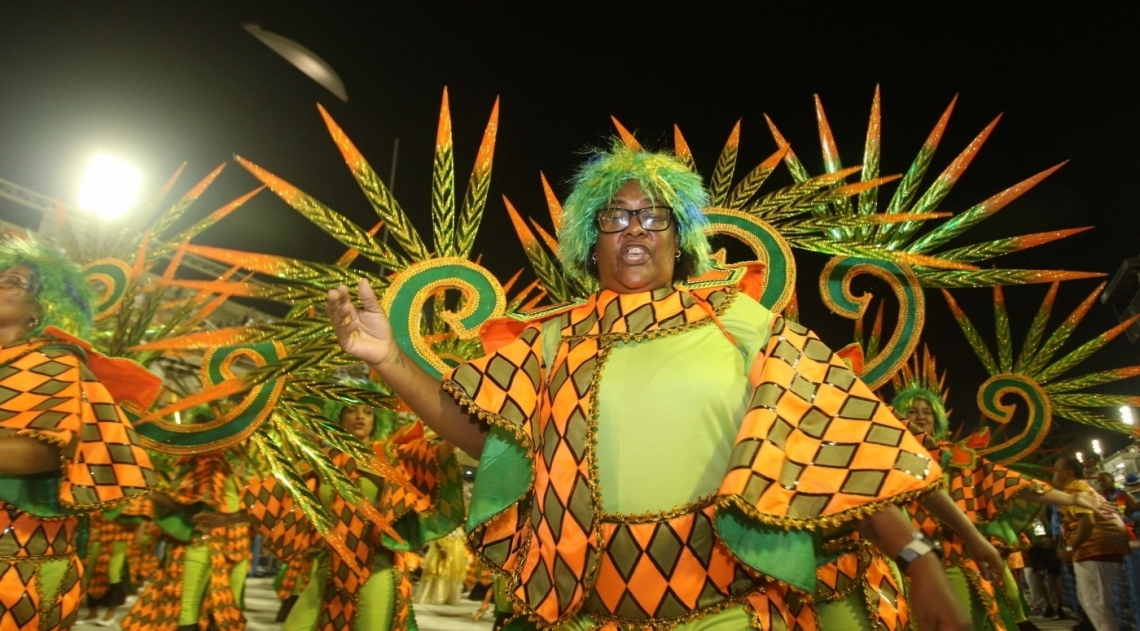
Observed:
{"x":919,"y":545}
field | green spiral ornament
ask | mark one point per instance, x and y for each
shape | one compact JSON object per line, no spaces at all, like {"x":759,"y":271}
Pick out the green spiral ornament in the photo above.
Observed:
{"x":991,"y":401}
{"x":238,"y":422}
{"x":110,"y":278}
{"x":835,"y":287}
{"x":404,"y":301}
{"x":769,"y":247}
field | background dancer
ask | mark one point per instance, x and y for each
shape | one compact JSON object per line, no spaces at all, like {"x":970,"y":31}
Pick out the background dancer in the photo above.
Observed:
{"x":993,"y":489}
{"x":109,"y":574}
{"x":378,"y":597}
{"x":200,"y":579}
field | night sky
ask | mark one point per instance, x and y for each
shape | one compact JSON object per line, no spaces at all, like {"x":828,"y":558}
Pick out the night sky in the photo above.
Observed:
{"x":162,"y":83}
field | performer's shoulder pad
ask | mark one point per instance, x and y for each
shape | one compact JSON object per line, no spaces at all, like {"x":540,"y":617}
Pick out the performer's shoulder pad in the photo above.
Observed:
{"x":498,"y":332}
{"x":747,"y":277}
{"x":126,"y":380}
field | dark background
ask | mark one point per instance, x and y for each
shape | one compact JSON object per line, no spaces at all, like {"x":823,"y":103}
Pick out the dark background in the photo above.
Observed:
{"x":160,"y":83}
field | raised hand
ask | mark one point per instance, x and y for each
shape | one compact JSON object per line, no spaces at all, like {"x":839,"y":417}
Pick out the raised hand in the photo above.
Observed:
{"x":366,"y":332}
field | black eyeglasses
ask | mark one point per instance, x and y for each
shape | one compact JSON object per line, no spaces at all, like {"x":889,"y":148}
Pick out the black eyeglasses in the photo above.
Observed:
{"x":651,"y":218}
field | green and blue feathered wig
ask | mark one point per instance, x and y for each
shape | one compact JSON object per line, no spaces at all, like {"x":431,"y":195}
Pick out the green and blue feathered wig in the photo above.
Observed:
{"x":662,"y":177}
{"x":901,"y":403}
{"x":384,"y":421}
{"x":59,"y":287}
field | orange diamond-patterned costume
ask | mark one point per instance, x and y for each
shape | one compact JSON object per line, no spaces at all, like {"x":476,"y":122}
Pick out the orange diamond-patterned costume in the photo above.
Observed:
{"x":196,"y":560}
{"x":296,"y":568}
{"x":142,"y":553}
{"x":855,"y":567}
{"x":987,"y":493}
{"x":285,"y":532}
{"x":420,"y":517}
{"x":107,"y":567}
{"x":294,"y":571}
{"x":814,"y":448}
{"x":49,"y":391}
{"x":105,"y":534}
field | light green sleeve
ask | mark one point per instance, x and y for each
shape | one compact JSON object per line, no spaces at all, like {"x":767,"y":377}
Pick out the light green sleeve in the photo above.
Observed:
{"x":751,"y":324}
{"x":232,"y":495}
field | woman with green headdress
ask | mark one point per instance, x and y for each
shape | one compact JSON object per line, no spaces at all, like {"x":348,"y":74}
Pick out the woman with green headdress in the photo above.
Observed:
{"x":66,"y":448}
{"x":661,"y":454}
{"x":989,"y":495}
{"x":378,"y":596}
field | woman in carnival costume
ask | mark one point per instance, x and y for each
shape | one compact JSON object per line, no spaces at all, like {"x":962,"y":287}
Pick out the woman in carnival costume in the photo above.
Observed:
{"x":300,"y":548}
{"x":378,"y":598}
{"x":65,"y":445}
{"x":684,"y":484}
{"x":857,"y":587}
{"x":202,"y":573}
{"x":991,"y":496}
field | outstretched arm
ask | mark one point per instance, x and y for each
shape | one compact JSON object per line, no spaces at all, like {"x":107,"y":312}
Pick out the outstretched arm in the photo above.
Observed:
{"x":1055,"y":497}
{"x":366,"y":334}
{"x":980,"y":550}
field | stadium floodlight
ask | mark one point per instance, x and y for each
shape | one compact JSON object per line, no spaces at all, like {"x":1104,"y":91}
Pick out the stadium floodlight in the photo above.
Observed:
{"x":110,"y":187}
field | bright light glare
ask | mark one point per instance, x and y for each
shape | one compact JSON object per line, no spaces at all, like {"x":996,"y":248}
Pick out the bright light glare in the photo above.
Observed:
{"x":1126,"y":415}
{"x":1096,"y":446}
{"x":1080,"y":457}
{"x":110,"y":187}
